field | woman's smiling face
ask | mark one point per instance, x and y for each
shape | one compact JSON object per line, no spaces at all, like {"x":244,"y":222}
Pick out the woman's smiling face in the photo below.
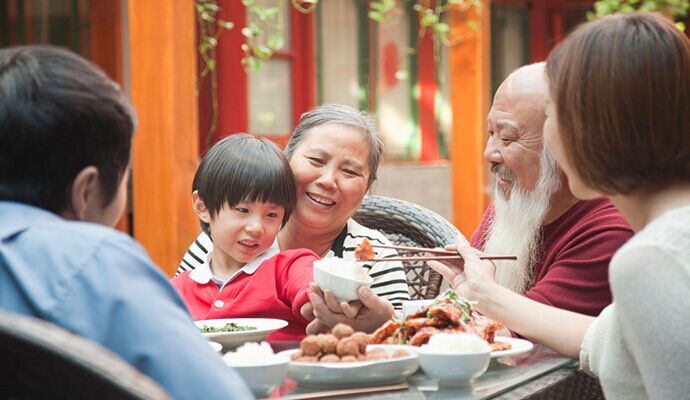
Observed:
{"x":331,"y":168}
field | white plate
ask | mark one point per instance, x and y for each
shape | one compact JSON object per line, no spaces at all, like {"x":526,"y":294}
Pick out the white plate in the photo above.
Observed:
{"x":518,"y":346}
{"x":231,"y":340}
{"x":361,"y":373}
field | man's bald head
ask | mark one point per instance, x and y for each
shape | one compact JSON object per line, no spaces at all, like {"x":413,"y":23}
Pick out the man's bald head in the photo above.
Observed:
{"x":528,"y":81}
{"x":517,"y":117}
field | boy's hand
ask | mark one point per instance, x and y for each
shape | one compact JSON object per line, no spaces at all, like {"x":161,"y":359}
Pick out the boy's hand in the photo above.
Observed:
{"x":349,"y":309}
{"x":307,"y":311}
{"x":315,"y":327}
{"x":371,"y":310}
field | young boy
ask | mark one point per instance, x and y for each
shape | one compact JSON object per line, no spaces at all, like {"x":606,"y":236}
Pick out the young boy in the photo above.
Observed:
{"x":243,"y":192}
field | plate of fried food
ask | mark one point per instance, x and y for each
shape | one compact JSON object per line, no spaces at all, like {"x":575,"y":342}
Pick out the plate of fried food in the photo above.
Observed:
{"x":344,"y":358}
{"x":448,"y":314}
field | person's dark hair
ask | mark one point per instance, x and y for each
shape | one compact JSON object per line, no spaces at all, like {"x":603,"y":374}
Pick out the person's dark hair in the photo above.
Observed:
{"x":621,"y":87}
{"x":243,"y":168}
{"x":340,"y":114}
{"x":58,"y":115}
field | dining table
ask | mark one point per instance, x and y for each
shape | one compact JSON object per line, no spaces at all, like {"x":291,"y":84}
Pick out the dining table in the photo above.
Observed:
{"x":541,"y":373}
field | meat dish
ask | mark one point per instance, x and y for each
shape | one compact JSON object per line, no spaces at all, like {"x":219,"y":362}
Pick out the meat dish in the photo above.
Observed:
{"x":448,"y":313}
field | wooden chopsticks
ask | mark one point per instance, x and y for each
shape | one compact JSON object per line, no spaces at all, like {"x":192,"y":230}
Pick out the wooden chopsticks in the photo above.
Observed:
{"x":444,"y":254}
{"x":440,"y":258}
{"x":419,"y":249}
{"x":346,"y":392}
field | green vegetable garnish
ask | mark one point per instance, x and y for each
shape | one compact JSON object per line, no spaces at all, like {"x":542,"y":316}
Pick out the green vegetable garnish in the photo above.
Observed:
{"x":229,"y":327}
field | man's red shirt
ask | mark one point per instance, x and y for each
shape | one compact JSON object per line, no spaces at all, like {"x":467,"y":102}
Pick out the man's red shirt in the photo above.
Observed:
{"x":572,"y":268}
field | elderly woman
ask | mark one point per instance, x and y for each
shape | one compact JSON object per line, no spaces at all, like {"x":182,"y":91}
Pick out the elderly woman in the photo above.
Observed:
{"x":618,"y":123}
{"x":334,"y":153}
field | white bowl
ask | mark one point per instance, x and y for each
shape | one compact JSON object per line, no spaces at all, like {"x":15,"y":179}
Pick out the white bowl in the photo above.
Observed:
{"x":344,"y":289}
{"x":453,"y":369}
{"x":263,"y":378}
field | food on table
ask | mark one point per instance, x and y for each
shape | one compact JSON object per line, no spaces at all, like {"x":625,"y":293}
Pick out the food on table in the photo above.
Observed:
{"x":229,"y":327}
{"x":341,"y":345}
{"x":500,"y":346}
{"x":400,"y":353}
{"x":457,"y":343}
{"x":347,"y":347}
{"x":447,"y":314}
{"x":310,"y":346}
{"x":342,"y":330}
{"x":378,"y":354}
{"x":362,"y":340}
{"x":250,"y":353}
{"x":343,"y":268}
{"x":330,"y":358}
{"x":328,"y":343}
{"x":364,"y":252}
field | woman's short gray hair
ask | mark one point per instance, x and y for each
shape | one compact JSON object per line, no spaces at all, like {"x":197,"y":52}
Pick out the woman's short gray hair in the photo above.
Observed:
{"x":342,"y":115}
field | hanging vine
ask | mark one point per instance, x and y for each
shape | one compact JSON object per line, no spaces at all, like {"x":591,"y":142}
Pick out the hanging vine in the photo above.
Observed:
{"x":210,"y":29}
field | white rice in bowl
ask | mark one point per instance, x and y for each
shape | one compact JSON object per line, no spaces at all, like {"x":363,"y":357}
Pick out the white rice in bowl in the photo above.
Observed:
{"x":457,"y":343}
{"x":343,"y":268}
{"x":251,"y":354}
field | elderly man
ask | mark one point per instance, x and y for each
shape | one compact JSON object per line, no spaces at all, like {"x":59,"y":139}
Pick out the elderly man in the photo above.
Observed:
{"x":563,"y":245}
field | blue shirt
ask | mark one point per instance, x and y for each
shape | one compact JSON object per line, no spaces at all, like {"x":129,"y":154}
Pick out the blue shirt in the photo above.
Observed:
{"x":100,"y":284}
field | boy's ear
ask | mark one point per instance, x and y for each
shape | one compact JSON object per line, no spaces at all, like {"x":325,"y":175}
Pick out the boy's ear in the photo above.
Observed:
{"x":84,"y":200}
{"x":200,"y":208}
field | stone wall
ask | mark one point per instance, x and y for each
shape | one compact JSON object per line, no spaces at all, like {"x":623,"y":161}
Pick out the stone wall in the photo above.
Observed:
{"x":425,"y":184}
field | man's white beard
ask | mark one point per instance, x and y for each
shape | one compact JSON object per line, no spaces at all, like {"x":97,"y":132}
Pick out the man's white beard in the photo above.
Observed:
{"x":516,"y":227}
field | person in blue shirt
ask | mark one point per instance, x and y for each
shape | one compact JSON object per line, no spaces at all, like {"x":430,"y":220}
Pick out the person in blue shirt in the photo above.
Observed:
{"x":65,"y":141}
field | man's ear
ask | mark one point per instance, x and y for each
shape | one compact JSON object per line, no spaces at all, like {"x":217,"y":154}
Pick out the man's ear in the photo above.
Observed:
{"x":85,"y":194}
{"x":200,"y":207}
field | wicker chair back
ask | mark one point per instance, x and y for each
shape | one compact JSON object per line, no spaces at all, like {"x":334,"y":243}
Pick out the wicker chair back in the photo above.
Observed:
{"x":408,"y":224}
{"x":39,"y":360}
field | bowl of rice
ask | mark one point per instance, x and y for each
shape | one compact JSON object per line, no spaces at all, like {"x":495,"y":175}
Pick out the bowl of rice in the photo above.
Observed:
{"x":261,"y":369}
{"x":342,"y":277}
{"x":454,"y":359}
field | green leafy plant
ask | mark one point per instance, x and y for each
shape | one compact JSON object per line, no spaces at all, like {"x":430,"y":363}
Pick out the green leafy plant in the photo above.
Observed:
{"x":672,"y":9}
{"x":264,"y":34}
{"x":210,"y":28}
{"x":430,"y":16}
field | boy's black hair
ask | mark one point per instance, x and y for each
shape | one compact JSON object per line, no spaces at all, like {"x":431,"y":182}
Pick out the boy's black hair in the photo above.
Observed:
{"x":241,"y":168}
{"x":58,"y":115}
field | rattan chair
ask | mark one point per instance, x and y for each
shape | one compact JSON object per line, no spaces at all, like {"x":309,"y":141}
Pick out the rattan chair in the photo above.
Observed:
{"x":408,"y":224}
{"x":576,"y":386}
{"x":39,"y":360}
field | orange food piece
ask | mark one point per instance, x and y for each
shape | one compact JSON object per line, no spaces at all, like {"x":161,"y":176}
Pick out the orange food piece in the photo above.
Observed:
{"x":364,"y":252}
{"x":500,"y":346}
